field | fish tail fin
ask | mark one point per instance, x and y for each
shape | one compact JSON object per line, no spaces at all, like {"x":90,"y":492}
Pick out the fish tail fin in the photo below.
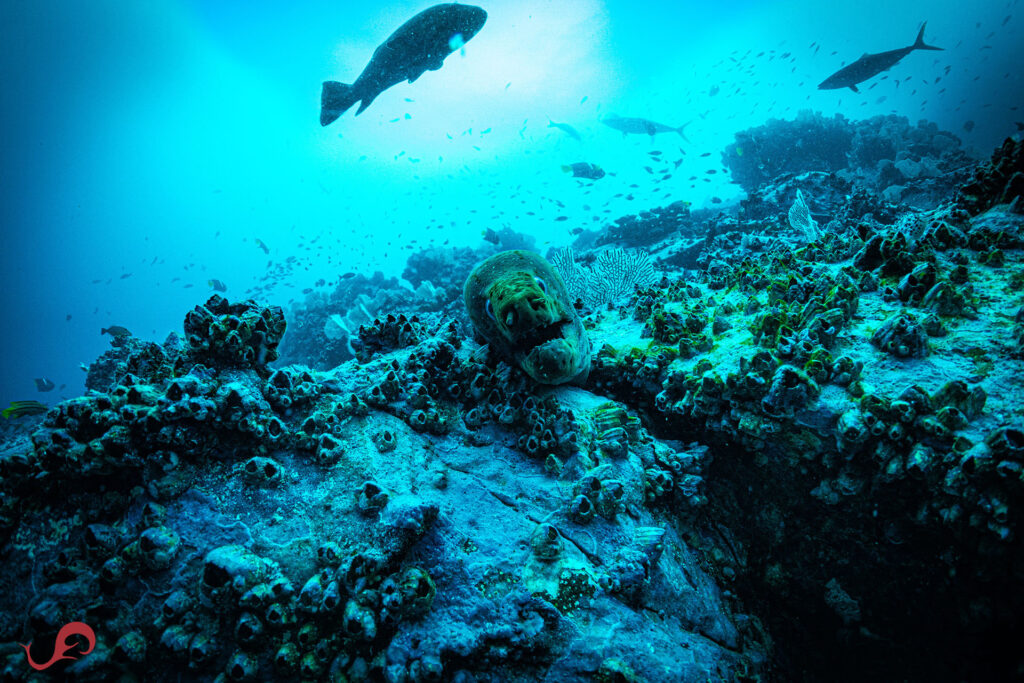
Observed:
{"x":567,"y":169}
{"x":103,"y":331}
{"x":335,"y":99}
{"x":680,"y":130}
{"x":919,"y":44}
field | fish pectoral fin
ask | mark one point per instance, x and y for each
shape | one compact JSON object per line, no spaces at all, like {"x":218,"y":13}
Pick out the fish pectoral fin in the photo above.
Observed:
{"x":363,"y":104}
{"x":854,"y":88}
{"x":429,"y":66}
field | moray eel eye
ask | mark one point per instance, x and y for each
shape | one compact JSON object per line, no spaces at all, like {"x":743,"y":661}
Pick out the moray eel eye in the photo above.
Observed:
{"x":490,"y":311}
{"x":540,"y":283}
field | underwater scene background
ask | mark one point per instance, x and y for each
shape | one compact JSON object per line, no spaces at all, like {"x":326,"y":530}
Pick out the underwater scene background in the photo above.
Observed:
{"x":617,"y":341}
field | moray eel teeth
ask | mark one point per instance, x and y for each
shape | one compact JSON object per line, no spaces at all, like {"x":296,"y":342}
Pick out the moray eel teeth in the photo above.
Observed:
{"x":520,"y":306}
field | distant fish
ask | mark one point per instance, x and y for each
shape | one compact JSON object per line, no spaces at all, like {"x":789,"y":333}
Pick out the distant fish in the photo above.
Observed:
{"x":582,"y":169}
{"x":43,"y":384}
{"x":24,"y":409}
{"x":491,"y":236}
{"x":627,"y":125}
{"x":419,"y":45}
{"x":116,"y":331}
{"x":567,"y":129}
{"x":217,"y":285}
{"x":261,"y":245}
{"x":870,"y":65}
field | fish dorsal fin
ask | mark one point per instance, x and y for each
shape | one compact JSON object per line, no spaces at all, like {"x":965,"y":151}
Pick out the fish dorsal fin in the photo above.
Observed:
{"x":864,"y":55}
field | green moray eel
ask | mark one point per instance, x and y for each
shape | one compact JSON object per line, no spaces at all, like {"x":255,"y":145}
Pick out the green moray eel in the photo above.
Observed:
{"x":520,"y":306}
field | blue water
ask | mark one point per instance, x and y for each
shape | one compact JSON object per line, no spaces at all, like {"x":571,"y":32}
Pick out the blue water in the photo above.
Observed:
{"x":148,"y":141}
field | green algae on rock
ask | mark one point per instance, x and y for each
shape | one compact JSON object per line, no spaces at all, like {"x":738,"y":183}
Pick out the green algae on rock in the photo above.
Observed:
{"x":520,"y":306}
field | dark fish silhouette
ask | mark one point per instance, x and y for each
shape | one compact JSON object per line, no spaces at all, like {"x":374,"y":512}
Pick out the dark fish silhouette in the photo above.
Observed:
{"x":566,"y":128}
{"x":869,"y":66}
{"x":115,"y":331}
{"x":43,"y":384}
{"x":627,"y":125}
{"x":419,"y":45}
{"x":582,"y":169}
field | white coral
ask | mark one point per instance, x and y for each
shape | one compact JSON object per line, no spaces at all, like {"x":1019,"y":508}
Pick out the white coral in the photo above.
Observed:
{"x":616,"y":274}
{"x":800,"y":218}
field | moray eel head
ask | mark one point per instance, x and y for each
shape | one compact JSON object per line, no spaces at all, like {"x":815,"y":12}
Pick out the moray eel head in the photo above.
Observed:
{"x":520,"y":306}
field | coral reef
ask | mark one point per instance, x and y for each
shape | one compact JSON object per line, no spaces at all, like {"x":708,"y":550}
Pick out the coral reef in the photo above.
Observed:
{"x":796,"y":456}
{"x":768,"y":356}
{"x":920,"y":165}
{"x":204,"y":468}
{"x":614,"y":275}
{"x":1001,"y":181}
{"x":324,"y":328}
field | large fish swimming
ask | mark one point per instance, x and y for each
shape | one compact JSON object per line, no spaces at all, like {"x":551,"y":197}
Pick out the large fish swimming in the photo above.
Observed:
{"x":871,"y":65}
{"x":627,"y":125}
{"x":419,"y":45}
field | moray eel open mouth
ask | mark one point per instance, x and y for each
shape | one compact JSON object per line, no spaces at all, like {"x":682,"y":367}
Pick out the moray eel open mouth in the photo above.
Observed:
{"x":520,"y":306}
{"x":540,"y":335}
